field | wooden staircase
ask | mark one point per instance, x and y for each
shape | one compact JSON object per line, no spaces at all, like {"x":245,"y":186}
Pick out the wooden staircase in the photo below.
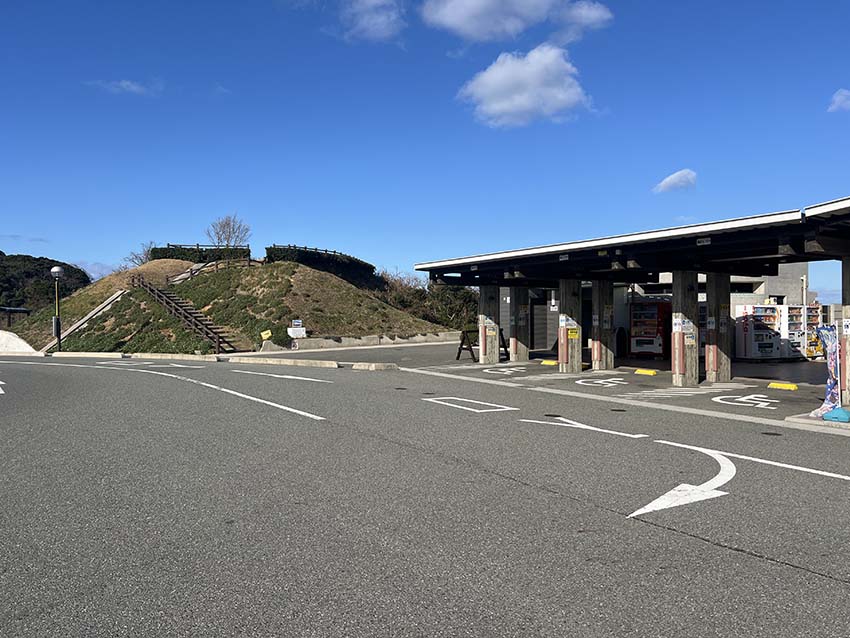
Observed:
{"x":221,"y":338}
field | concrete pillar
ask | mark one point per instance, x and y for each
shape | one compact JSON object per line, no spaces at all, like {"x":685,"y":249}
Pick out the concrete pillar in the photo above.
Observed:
{"x":718,"y":341}
{"x":488,"y":324}
{"x":685,"y":329}
{"x":602,"y":337}
{"x":520,"y":324}
{"x":844,"y":331}
{"x":569,"y":325}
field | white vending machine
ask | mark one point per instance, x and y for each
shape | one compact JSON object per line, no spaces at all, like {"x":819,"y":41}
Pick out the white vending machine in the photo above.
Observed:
{"x":792,"y":332}
{"x":758,"y":331}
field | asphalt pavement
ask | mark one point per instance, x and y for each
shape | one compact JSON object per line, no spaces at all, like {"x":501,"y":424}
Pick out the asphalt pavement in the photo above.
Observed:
{"x":197,"y":498}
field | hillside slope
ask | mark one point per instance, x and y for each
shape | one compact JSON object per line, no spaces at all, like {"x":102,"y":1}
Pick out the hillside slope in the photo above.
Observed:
{"x":248,"y":301}
{"x":36,"y":329}
{"x":26,"y":281}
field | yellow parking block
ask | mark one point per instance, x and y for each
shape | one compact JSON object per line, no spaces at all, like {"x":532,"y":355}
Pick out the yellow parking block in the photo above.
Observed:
{"x":647,"y":372}
{"x":548,"y":362}
{"x":776,"y":385}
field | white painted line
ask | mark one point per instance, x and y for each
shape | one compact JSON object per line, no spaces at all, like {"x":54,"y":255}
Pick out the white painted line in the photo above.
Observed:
{"x":504,"y":371}
{"x":248,"y":397}
{"x":1,"y":389}
{"x":787,"y":466}
{"x":446,"y":375}
{"x":685,"y":493}
{"x":281,"y":376}
{"x":568,"y":423}
{"x":714,"y":414}
{"x":447,"y":401}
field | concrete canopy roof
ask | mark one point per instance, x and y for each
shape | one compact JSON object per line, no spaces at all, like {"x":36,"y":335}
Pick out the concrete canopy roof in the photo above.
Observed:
{"x":752,"y":246}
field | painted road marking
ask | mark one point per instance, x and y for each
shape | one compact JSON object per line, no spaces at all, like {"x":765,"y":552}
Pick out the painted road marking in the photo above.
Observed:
{"x":751,"y":400}
{"x":686,"y":493}
{"x":282,"y":376}
{"x":504,"y":371}
{"x":448,"y":401}
{"x":211,"y":386}
{"x":569,"y":423}
{"x":787,"y":466}
{"x":150,"y":364}
{"x":604,"y":383}
{"x":1,"y":389}
{"x":666,"y":407}
{"x":674,"y":392}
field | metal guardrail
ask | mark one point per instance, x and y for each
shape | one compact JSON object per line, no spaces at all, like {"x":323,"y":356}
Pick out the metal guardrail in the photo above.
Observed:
{"x":167,"y":300}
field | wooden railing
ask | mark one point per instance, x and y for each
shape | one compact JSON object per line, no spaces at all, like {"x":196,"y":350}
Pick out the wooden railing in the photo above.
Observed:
{"x":193,"y":320}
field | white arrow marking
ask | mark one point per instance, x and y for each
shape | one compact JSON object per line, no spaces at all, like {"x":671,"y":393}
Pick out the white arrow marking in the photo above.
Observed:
{"x":686,"y":493}
{"x":1,"y":389}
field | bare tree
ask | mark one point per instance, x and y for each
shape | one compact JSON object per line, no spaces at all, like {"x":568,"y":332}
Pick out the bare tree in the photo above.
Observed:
{"x":228,"y":231}
{"x":141,"y":256}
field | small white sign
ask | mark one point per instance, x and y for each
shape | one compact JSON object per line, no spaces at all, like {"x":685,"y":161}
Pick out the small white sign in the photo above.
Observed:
{"x":297,"y":333}
{"x":562,"y":321}
{"x":847,"y":326}
{"x":677,"y":325}
{"x":296,"y":323}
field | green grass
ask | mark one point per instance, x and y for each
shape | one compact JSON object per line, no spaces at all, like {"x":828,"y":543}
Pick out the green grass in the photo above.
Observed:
{"x":136,"y":323}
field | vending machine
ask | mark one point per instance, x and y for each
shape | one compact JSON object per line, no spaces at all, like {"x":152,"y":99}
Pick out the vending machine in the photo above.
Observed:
{"x":814,"y":347}
{"x":650,"y":328}
{"x":758,"y":331}
{"x":792,"y":332}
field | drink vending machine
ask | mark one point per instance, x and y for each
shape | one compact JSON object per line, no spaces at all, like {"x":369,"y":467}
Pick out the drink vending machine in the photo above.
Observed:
{"x":650,"y":328}
{"x":771,"y":331}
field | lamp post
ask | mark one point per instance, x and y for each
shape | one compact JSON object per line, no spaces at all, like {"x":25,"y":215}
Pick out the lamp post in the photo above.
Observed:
{"x":57,"y":272}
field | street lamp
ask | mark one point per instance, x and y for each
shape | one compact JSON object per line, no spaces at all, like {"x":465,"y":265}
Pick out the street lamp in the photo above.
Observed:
{"x":57,"y":272}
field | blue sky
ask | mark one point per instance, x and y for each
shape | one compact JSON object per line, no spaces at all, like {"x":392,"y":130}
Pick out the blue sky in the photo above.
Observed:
{"x":403,"y":131}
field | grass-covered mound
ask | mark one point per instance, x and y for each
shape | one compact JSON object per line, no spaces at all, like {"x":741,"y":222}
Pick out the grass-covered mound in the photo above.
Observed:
{"x":251,"y":300}
{"x":136,"y":323}
{"x":36,"y":329}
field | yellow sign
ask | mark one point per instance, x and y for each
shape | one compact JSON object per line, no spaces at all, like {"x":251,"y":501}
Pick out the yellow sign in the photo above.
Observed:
{"x":572,"y":333}
{"x":266,"y":335}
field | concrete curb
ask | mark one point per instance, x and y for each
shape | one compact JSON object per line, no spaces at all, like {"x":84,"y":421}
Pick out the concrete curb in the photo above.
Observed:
{"x":89,"y":355}
{"x":810,"y":420}
{"x":23,"y":354}
{"x":307,"y":363}
{"x":167,"y":355}
{"x":374,"y":366}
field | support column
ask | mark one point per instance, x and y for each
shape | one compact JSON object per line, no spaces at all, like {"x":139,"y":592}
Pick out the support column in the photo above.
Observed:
{"x":569,"y":325}
{"x":844,"y":331}
{"x":488,"y":324}
{"x":685,"y":329}
{"x":520,"y":324}
{"x":718,"y":341}
{"x":602,"y":344}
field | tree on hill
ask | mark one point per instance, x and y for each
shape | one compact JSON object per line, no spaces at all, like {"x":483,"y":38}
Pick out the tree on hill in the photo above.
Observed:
{"x":26,"y":280}
{"x":141,"y":256}
{"x":228,"y":231}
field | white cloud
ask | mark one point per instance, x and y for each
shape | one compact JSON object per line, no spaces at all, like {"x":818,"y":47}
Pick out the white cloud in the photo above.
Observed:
{"x":375,"y":20}
{"x":517,"y":89}
{"x":840,"y":101}
{"x":684,"y":178}
{"x":581,"y":16}
{"x":483,"y":20}
{"x":129,"y":87}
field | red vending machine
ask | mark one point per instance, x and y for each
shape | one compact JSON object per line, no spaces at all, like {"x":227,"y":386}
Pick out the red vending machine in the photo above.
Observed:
{"x":651,"y":323}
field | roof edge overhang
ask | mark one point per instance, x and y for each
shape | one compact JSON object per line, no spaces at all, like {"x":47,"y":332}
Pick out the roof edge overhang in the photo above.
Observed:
{"x":823,"y":210}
